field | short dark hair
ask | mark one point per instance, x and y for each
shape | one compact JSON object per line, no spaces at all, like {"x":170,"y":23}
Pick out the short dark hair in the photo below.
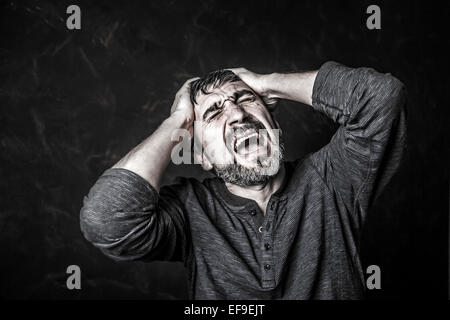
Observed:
{"x":211,"y":81}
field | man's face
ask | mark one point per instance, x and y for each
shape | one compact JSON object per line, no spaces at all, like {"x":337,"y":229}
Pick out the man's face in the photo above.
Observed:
{"x":239,"y":138}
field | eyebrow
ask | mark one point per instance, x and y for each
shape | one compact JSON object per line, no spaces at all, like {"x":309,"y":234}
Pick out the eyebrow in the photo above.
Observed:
{"x":238,"y":94}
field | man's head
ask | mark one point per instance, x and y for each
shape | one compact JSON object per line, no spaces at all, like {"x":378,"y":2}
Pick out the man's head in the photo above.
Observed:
{"x":239,"y":137}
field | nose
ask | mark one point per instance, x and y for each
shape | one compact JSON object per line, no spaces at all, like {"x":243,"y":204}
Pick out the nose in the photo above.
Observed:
{"x":235,"y":113}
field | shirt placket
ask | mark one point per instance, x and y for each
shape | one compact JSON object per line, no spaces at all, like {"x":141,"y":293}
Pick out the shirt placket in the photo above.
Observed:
{"x":267,"y":265}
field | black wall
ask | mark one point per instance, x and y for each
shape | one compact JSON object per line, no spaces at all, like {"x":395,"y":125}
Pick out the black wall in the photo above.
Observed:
{"x":74,"y":102}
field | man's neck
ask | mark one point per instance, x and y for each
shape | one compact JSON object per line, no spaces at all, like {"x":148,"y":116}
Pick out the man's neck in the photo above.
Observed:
{"x":260,"y":193}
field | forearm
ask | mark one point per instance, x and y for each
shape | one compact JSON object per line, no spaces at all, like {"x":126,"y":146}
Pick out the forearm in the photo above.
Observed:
{"x":121,"y":213}
{"x":292,"y":86}
{"x":150,"y":158}
{"x":366,"y":149}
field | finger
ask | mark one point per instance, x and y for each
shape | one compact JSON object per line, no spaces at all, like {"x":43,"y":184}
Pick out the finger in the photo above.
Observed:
{"x":185,"y":87}
{"x":186,"y":84}
{"x":270,"y":102}
{"x":237,"y":70}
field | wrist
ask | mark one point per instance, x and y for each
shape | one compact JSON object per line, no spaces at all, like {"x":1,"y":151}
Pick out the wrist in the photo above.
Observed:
{"x":271,"y":87}
{"x":292,"y":86}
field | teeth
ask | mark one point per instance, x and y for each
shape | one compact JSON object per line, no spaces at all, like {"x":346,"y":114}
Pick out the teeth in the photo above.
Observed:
{"x":240,"y":140}
{"x":243,"y":139}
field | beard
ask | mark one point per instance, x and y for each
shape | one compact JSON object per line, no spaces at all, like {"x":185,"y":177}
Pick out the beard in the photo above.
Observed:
{"x":260,"y":174}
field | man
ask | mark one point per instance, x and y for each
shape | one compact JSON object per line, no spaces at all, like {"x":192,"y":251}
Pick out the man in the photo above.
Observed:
{"x":263,"y":228}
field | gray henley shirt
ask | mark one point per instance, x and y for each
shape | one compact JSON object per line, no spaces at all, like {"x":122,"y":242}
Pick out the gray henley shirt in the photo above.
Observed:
{"x":307,"y":244}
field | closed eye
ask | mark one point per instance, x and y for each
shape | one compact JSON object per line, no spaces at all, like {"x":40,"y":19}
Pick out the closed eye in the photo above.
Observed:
{"x":245,"y":96}
{"x":215,"y":114}
{"x":212,"y":112}
{"x":246,"y":99}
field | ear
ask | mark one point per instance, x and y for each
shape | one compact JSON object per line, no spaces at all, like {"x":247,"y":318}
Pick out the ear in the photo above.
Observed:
{"x":207,"y":166}
{"x":203,"y":160}
{"x":200,"y":156}
{"x":278,"y":127}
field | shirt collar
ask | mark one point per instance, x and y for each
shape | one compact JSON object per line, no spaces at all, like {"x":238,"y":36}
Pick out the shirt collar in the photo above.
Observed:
{"x":237,"y":203}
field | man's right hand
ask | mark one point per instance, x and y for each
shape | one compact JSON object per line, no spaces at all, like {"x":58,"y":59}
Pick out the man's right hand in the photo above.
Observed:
{"x":149,"y":159}
{"x":182,"y":106}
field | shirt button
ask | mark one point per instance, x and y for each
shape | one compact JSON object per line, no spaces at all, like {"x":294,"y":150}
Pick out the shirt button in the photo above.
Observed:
{"x":272,"y":205}
{"x":260,"y":229}
{"x":253,"y":212}
{"x":267,"y":246}
{"x":267,"y":267}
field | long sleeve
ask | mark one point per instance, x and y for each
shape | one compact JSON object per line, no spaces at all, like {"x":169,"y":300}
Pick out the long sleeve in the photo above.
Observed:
{"x":367,"y":148}
{"x":124,"y":217}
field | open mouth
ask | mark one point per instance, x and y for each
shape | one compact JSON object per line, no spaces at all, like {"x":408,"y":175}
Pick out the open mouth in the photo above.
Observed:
{"x":248,"y":142}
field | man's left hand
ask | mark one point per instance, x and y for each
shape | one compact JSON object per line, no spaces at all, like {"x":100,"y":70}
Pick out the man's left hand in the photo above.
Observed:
{"x":260,"y":83}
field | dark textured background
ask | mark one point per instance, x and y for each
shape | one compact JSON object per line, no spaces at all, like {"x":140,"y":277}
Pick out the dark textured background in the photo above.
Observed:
{"x":73,"y":102}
